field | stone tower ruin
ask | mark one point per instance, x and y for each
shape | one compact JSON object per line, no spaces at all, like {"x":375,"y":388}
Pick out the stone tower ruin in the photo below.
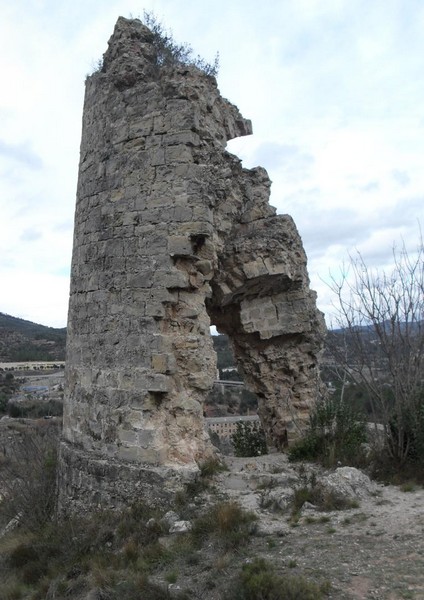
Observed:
{"x":172,"y":235}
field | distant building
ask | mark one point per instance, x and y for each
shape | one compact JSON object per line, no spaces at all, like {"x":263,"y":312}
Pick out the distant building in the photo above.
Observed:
{"x":224,"y":427}
{"x":32,"y":365}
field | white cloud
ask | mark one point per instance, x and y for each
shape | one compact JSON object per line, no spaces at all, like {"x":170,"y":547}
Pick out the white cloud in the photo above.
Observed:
{"x":35,"y":295}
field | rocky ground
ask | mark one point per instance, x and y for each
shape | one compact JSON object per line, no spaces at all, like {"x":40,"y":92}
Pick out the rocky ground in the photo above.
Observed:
{"x":372,"y":550}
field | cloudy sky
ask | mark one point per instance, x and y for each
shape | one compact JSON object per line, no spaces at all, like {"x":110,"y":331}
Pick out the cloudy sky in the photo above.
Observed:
{"x":335,"y":90}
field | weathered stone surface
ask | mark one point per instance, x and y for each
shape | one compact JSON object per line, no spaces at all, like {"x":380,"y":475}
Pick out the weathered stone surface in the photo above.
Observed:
{"x":349,"y":483}
{"x":171,"y":235}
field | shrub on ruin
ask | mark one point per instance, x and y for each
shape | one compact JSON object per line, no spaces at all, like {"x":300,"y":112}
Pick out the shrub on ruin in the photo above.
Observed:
{"x":249,"y":439}
{"x":169,"y":52}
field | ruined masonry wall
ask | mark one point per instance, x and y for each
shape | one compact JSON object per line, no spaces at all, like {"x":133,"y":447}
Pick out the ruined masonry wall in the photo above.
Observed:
{"x":171,"y":233}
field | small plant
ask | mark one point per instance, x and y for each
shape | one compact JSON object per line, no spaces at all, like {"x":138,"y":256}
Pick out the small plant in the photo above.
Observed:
{"x":324,"y":519}
{"x":140,"y":524}
{"x":171,"y":577}
{"x":310,"y":520}
{"x":154,"y":556}
{"x":266,"y":501}
{"x":267,"y":484}
{"x":275,"y":469}
{"x":249,"y":439}
{"x":355,"y":518}
{"x":211,"y":467}
{"x":222,"y":562}
{"x":200,"y":484}
{"x":408,"y":486}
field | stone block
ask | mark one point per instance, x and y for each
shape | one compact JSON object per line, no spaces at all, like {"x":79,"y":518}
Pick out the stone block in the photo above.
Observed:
{"x":254,"y":269}
{"x":182,"y":214}
{"x":155,"y":309}
{"x":179,"y":245}
{"x":194,"y":228}
{"x":146,"y":438}
{"x":129,"y":453}
{"x":159,"y":363}
{"x":182,"y":138}
{"x":157,"y":383}
{"x":200,"y":381}
{"x":128,"y":437}
{"x":172,"y":279}
{"x":140,"y":280}
{"x":157,"y":156}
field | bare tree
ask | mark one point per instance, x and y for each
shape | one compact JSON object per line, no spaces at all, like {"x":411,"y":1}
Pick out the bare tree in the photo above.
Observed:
{"x":380,"y":344}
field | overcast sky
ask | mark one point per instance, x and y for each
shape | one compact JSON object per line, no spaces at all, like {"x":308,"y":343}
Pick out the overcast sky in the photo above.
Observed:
{"x":335,"y":90}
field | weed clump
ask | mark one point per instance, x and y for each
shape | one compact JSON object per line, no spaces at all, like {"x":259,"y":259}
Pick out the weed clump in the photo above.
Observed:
{"x":211,"y":467}
{"x":170,"y":52}
{"x":114,"y":552}
{"x":322,"y":498}
{"x":202,"y":483}
{"x":226,"y":523}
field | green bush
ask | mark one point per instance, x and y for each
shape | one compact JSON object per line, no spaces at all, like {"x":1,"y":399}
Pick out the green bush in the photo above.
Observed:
{"x":258,"y":581}
{"x":407,"y":427}
{"x":336,"y":434}
{"x":35,"y":409}
{"x":8,"y":386}
{"x":249,"y":439}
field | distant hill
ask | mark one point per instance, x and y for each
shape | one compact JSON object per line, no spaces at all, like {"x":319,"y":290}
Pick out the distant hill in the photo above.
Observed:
{"x":22,"y":340}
